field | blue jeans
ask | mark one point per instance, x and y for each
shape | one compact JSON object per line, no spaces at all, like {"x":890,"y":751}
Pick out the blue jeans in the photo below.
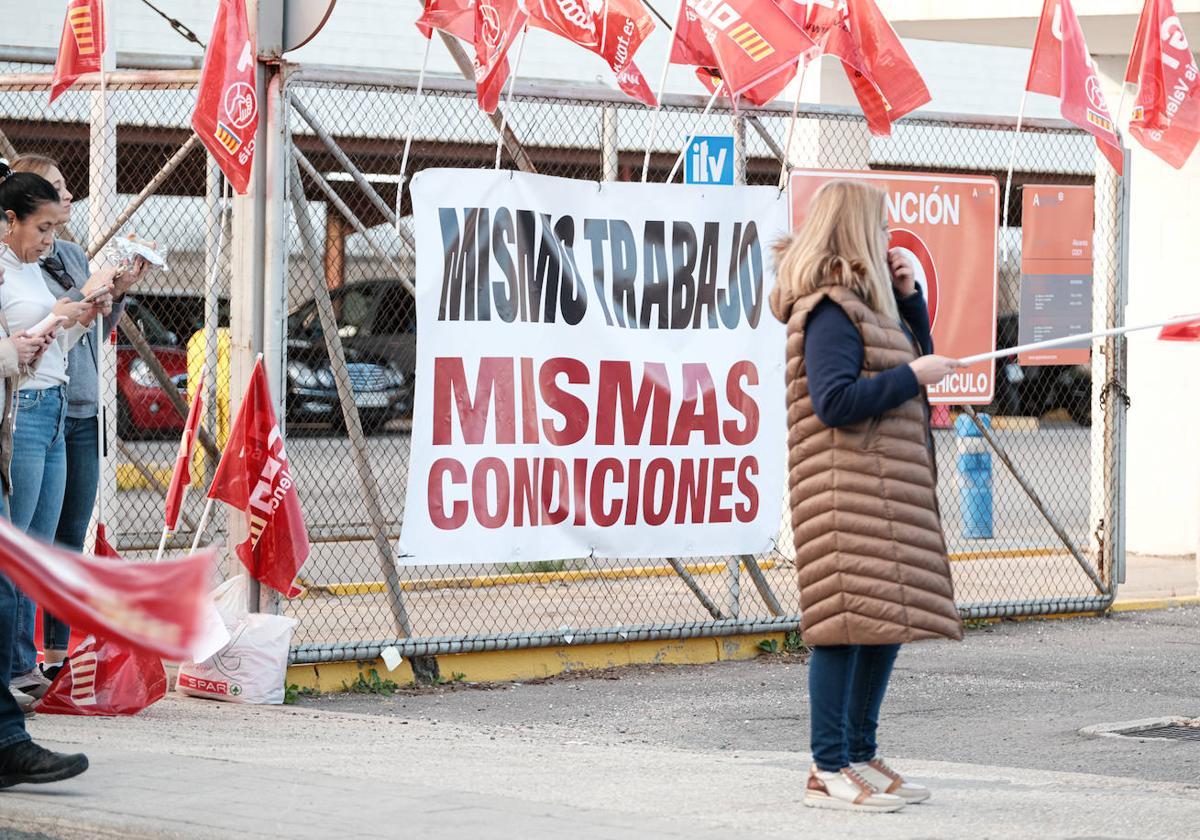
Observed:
{"x":846,"y":684}
{"x":39,"y":474}
{"x":12,"y":719}
{"x":79,"y":497}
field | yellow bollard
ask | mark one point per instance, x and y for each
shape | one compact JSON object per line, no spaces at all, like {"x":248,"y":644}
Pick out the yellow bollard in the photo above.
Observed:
{"x":196,"y":352}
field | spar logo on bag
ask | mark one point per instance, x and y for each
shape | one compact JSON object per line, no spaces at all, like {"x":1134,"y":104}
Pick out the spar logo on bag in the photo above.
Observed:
{"x":221,"y":687}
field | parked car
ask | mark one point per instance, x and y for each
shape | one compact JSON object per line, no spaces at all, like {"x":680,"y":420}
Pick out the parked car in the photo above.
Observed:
{"x":378,"y":332}
{"x":1036,"y":390}
{"x":143,"y":408}
{"x":377,"y":317}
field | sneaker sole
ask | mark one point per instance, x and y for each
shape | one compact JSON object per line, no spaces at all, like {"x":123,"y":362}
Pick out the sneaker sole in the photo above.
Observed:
{"x":68,"y":772}
{"x":914,"y":799}
{"x":831,"y":804}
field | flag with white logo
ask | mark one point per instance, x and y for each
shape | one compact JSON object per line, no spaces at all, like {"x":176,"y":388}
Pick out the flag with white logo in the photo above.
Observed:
{"x":745,"y":42}
{"x":1061,"y":67}
{"x":254,"y":477}
{"x":1166,"y":115}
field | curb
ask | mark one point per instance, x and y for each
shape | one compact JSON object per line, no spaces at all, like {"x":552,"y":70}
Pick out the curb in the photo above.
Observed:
{"x":539,"y":663}
{"x":518,"y":578}
{"x":376,"y":587}
{"x":1153,"y":604}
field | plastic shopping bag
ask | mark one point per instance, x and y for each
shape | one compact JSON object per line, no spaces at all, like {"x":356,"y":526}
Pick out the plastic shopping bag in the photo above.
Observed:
{"x":251,"y":668}
{"x":102,"y":677}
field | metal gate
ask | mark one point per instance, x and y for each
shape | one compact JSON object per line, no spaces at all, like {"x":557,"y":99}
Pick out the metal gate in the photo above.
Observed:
{"x":348,"y":256}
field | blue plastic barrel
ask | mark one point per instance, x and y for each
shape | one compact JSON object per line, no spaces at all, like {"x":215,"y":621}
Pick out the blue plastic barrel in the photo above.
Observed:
{"x":974,"y":478}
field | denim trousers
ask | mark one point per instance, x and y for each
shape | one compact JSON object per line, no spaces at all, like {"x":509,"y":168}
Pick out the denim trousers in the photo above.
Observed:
{"x":12,"y":719}
{"x":846,"y":685}
{"x":79,"y":497}
{"x":39,"y":474}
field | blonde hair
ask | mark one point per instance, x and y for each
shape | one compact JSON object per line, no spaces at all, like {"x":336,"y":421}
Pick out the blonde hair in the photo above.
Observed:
{"x":37,"y":164}
{"x":839,"y":244}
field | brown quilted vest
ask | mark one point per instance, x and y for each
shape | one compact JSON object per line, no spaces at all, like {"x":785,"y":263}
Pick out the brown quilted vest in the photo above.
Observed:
{"x":870,"y":553}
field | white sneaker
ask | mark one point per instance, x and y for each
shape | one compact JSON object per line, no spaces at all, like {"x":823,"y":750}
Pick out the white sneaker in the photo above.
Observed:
{"x":888,"y":780}
{"x":23,"y":700}
{"x":848,"y":790}
{"x":33,"y":683}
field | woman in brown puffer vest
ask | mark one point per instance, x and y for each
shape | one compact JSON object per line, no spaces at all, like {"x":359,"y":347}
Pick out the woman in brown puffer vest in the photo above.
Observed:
{"x":870,"y":553}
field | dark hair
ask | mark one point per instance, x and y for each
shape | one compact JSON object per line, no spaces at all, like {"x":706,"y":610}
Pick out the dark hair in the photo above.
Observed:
{"x":23,"y":192}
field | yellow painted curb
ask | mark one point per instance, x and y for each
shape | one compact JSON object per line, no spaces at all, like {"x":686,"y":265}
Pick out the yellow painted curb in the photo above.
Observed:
{"x":1150,"y":604}
{"x":130,"y":477}
{"x":518,"y":578}
{"x":1005,"y":554}
{"x":536,"y":663}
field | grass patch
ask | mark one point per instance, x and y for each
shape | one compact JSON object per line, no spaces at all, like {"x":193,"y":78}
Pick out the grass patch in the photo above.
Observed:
{"x":292,"y":693}
{"x":371,"y":683}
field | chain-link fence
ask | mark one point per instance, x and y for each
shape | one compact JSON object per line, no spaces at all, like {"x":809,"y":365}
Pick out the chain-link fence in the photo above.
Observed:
{"x":1055,"y":545}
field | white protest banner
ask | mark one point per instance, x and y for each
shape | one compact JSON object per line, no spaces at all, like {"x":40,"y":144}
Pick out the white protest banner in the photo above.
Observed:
{"x":598,"y":371}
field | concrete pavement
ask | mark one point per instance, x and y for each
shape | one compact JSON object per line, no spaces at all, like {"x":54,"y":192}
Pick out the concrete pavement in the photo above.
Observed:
{"x":700,"y":752}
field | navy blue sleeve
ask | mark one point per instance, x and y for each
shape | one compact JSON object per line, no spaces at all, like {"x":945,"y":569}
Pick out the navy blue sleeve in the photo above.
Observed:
{"x":833,"y":356}
{"x":915,"y":313}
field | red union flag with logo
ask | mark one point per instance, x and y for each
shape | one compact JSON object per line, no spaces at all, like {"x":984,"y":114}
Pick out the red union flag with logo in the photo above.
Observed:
{"x":746,"y":42}
{"x":1061,"y":67}
{"x":226,"y":115}
{"x":884,"y":78}
{"x":187,"y":442}
{"x":457,"y":18}
{"x":82,"y":45}
{"x":1166,"y":115}
{"x":497,"y":23}
{"x":155,"y":607}
{"x":612,"y":29}
{"x":254,"y":477}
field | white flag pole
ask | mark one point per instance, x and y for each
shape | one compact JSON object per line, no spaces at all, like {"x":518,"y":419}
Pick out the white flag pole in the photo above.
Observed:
{"x":1012,"y":162}
{"x":655,"y":119}
{"x":786,"y":165}
{"x":512,"y":82}
{"x":202,"y":525}
{"x":1076,"y":339}
{"x":162,"y":544}
{"x":408,"y":133}
{"x":1120,"y":106}
{"x":691,"y":135}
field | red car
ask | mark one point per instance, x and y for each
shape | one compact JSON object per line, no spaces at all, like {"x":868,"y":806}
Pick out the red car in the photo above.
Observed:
{"x":143,"y":409}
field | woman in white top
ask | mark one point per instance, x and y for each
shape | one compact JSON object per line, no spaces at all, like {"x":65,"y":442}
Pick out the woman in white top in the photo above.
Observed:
{"x":38,"y":472}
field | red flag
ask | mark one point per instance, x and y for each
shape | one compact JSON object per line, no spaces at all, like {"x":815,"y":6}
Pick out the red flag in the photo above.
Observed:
{"x":254,"y":477}
{"x":457,"y":18}
{"x":82,"y":45}
{"x":454,"y":17}
{"x":1187,"y":331}
{"x":226,"y":115}
{"x":156,"y":607}
{"x":1062,"y":67}
{"x":103,"y":546}
{"x":612,"y":29}
{"x":497,"y":24}
{"x":1166,"y":114}
{"x":182,"y":473}
{"x":888,"y":85}
{"x":746,"y":42}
